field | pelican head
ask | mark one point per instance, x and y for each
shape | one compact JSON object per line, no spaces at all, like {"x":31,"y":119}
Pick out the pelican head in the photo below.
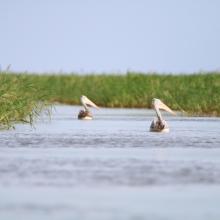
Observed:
{"x":159,"y":124}
{"x":85,"y":113}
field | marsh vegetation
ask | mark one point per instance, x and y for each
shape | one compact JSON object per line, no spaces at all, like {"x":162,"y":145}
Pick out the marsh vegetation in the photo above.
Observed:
{"x":23,"y":96}
{"x":21,"y":100}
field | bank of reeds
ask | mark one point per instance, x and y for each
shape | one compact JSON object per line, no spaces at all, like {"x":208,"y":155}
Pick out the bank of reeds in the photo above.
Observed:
{"x":195,"y":94}
{"x":21,"y":100}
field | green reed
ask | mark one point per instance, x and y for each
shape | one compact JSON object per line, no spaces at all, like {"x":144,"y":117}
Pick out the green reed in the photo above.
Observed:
{"x":196,"y":94}
{"x":23,"y":96}
{"x":20,"y":99}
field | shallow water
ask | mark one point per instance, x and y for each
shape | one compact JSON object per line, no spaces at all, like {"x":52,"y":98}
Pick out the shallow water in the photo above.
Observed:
{"x":110,"y":168}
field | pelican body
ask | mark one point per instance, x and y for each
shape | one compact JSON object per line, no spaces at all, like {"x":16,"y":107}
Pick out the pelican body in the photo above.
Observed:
{"x":159,"y":124}
{"x":85,"y":114}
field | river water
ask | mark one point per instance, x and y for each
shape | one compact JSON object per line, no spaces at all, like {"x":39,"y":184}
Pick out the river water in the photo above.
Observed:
{"x":110,"y":168}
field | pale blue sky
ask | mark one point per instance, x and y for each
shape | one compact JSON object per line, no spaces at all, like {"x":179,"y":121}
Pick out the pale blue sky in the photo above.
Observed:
{"x":110,"y":35}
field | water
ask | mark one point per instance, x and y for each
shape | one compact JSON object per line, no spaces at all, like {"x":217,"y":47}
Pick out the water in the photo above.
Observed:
{"x":110,"y":168}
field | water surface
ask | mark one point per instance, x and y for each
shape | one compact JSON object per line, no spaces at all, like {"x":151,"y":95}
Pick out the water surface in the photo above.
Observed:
{"x":110,"y":168}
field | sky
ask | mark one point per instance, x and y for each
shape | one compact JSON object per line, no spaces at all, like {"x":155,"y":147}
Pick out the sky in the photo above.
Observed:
{"x":108,"y":36}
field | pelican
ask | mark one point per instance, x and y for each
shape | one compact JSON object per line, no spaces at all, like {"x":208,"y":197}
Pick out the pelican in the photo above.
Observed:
{"x":159,"y":124}
{"x":86,"y":114}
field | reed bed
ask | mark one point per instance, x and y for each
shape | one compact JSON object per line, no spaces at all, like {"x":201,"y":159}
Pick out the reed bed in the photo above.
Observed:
{"x":20,"y":100}
{"x":195,"y":94}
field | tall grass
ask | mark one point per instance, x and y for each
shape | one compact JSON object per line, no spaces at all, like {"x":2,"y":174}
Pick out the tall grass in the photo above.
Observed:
{"x":22,"y":95}
{"x":20,"y":100}
{"x":197,"y":94}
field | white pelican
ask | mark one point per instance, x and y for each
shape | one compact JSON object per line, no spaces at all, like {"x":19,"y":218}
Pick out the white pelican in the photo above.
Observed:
{"x":86,"y":114}
{"x":159,"y":124}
